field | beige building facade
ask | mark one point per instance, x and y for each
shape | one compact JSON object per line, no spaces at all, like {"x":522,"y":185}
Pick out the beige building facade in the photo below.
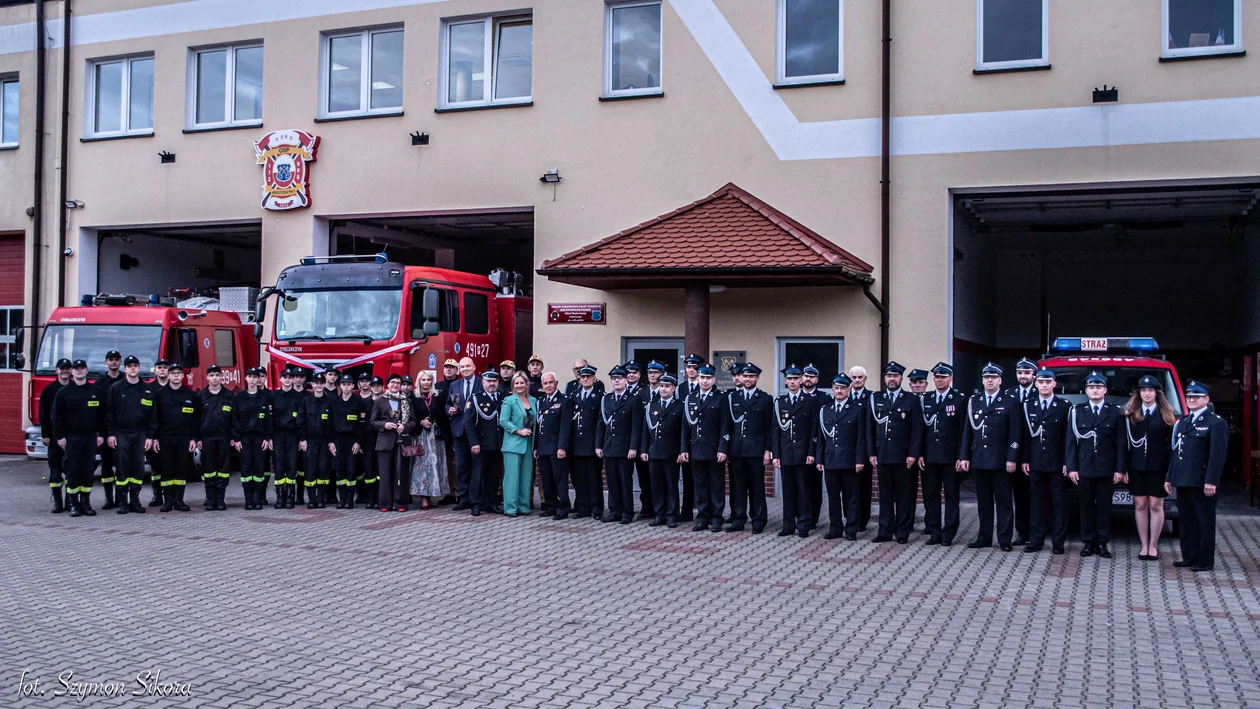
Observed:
{"x":642,"y":108}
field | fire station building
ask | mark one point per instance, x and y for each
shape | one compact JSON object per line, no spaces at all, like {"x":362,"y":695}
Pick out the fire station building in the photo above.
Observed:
{"x":778,"y":181}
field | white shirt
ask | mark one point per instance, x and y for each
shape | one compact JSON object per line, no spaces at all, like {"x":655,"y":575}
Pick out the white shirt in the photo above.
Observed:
{"x":1045,"y":402}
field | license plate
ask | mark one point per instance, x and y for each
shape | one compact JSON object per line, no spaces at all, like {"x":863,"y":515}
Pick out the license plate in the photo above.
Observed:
{"x":1122,"y":497}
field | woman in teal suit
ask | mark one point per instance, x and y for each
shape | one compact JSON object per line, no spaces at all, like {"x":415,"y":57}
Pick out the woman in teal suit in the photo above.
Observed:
{"x":518,"y":417}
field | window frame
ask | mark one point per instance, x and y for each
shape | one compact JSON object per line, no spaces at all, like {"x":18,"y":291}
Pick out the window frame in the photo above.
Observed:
{"x":5,"y":80}
{"x":609,"y":8}
{"x":1235,"y":48}
{"x":484,"y":310}
{"x":8,"y":337}
{"x":90,"y":91}
{"x":780,"y":59}
{"x":231,"y":349}
{"x":780,"y":356}
{"x":1043,"y":61}
{"x":365,"y":71}
{"x":229,"y":100}
{"x":490,"y":54}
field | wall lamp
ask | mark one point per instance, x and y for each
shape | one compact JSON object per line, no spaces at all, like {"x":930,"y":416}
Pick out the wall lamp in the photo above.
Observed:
{"x":74,"y":204}
{"x":551,"y":176}
{"x":419,"y":138}
{"x":166,"y":157}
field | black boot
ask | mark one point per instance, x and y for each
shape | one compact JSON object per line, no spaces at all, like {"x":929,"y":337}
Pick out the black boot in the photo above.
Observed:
{"x":219,"y":494}
{"x":134,"y":505}
{"x":72,"y":501}
{"x":289,"y":494}
{"x":85,"y":503}
{"x":312,"y":504}
{"x":262,"y":493}
{"x":168,"y":499}
{"x":251,"y":497}
{"x":179,"y":499}
{"x":321,"y":492}
{"x":279,"y":498}
{"x":109,"y":497}
{"x":157,"y":494}
{"x":58,"y":504}
{"x":300,"y":493}
{"x":209,"y":498}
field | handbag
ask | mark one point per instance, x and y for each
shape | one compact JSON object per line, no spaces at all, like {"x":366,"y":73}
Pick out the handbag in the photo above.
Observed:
{"x":414,"y":449}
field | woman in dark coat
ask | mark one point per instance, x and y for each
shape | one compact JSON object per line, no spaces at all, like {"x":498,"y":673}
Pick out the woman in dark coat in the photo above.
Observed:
{"x":1149,"y":420}
{"x":392,"y":419}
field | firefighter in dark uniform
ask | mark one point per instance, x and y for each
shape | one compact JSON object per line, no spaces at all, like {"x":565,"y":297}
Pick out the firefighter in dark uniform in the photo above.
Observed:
{"x":553,"y":473}
{"x":688,"y":384}
{"x":161,"y":378}
{"x":485,"y":439}
{"x":315,"y":437}
{"x":56,"y":456}
{"x":349,"y":420}
{"x":943,"y":410}
{"x":577,"y":444}
{"x":617,"y":434}
{"x":176,"y":427}
{"x":661,"y":446}
{"x":1025,"y":372}
{"x":894,"y":435}
{"x":251,"y":434}
{"x":534,"y":370}
{"x":1200,"y":446}
{"x":576,"y":383}
{"x":1043,"y":429}
{"x":841,"y":455}
{"x":303,"y":387}
{"x":793,"y":443}
{"x":645,"y":392}
{"x":701,"y":443}
{"x":367,"y":485}
{"x":285,"y":403}
{"x":113,"y":375}
{"x":813,"y":477}
{"x":78,"y":416}
{"x":1095,"y":462}
{"x":990,"y":449}
{"x":862,"y":397}
{"x":746,"y":443}
{"x":215,"y":437}
{"x":128,"y":425}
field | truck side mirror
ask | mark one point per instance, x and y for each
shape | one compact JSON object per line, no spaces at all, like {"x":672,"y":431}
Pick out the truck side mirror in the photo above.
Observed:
{"x":19,"y":360}
{"x":19,"y":342}
{"x":258,"y":330}
{"x":431,"y":328}
{"x":430,"y":307}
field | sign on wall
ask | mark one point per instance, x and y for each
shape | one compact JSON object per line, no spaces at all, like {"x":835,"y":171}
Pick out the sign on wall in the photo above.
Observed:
{"x":723,"y":360}
{"x":585,"y":313}
{"x":286,"y":157}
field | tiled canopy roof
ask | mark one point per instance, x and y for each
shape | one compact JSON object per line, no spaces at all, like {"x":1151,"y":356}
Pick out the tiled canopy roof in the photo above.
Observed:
{"x":729,"y":236}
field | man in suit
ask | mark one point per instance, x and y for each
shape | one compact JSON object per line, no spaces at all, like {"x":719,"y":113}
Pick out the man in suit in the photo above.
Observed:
{"x":793,"y":444}
{"x":893,"y":438}
{"x":841,"y":454}
{"x":617,"y":435}
{"x":990,"y":449}
{"x":578,"y":442}
{"x":481,"y":426}
{"x":866,"y":481}
{"x":450,"y":373}
{"x":702,"y":434}
{"x":662,"y":449}
{"x":647,"y":393}
{"x":690,"y":384}
{"x":1024,"y":390}
{"x":746,"y":443}
{"x":813,"y":477}
{"x":1200,"y":445}
{"x":1095,"y":462}
{"x":1042,"y":430}
{"x":459,"y":393}
{"x":942,"y":432}
{"x":553,"y":471}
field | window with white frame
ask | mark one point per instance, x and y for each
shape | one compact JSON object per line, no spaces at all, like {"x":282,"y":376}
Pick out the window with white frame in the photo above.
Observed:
{"x":825,"y":353}
{"x":487,"y":60}
{"x":1202,"y":27}
{"x":120,"y":96}
{"x":1012,"y":34}
{"x":10,"y":96}
{"x":810,"y":41}
{"x":225,"y":86}
{"x":632,"y":48}
{"x":10,"y":321}
{"x":361,"y":72}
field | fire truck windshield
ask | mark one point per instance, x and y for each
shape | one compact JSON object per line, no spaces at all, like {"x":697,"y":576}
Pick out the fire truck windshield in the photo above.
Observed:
{"x":358,"y":314}
{"x":1121,"y":381}
{"x":92,"y":341}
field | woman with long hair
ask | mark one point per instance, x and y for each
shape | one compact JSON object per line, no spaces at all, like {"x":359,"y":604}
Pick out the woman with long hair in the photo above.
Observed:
{"x":518,"y":418}
{"x":1149,"y":420}
{"x":428,"y":470}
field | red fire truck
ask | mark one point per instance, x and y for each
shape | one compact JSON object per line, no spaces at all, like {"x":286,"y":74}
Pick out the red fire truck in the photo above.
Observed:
{"x":368,"y":314}
{"x":150,"y":328}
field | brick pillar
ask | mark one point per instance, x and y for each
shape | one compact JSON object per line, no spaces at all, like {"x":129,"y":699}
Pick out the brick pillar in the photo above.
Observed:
{"x":696,"y":319}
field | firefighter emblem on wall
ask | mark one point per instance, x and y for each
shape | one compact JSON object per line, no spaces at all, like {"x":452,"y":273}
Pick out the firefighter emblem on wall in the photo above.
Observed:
{"x":286,"y":157}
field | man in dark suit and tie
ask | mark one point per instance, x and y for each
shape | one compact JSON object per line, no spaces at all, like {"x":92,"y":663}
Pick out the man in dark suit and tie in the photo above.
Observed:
{"x":702,"y":435}
{"x":792,"y":441}
{"x":943,"y":414}
{"x":990,"y":449}
{"x":1024,"y":390}
{"x":1200,"y":441}
{"x":893,"y":438}
{"x":459,"y":393}
{"x":662,"y":448}
{"x":617,"y":435}
{"x":1043,"y":429}
{"x":841,"y":454}
{"x":746,"y":442}
{"x":578,"y":443}
{"x":1095,"y":462}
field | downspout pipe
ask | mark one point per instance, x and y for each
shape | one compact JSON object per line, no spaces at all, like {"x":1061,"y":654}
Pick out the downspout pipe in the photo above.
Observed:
{"x":37,"y":215}
{"x":884,"y":182}
{"x":64,"y":156}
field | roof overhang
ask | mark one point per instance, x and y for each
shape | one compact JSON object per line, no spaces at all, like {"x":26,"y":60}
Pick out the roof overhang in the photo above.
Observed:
{"x":731,"y":277}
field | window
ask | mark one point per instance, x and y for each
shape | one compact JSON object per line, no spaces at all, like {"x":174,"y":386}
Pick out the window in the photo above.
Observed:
{"x":1202,"y":27}
{"x":361,"y":73}
{"x":120,"y":96}
{"x":225,"y":86}
{"x":10,"y":321}
{"x":825,"y":353}
{"x":476,"y":314}
{"x":90,"y":343}
{"x":224,"y":348}
{"x":1012,"y":34}
{"x":810,"y":36}
{"x":448,"y":311}
{"x":187,"y":354}
{"x":632,"y":49}
{"x":9,"y":98}
{"x":487,"y":60}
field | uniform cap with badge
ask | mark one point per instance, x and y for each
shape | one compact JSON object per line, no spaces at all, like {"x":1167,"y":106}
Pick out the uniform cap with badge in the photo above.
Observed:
{"x":507,"y":363}
{"x":706,"y":370}
{"x":655,"y":366}
{"x":131,"y":359}
{"x":377,"y":381}
{"x":447,"y":363}
{"x":346,"y":379}
{"x":918,"y":375}
{"x":1148,"y":382}
{"x":588,"y":371}
{"x":617,"y":371}
{"x":791,"y":371}
{"x":668,"y":379}
{"x":176,"y":367}
{"x":214,"y":369}
{"x":991,"y":370}
{"x":1046,"y":375}
{"x":810,"y":370}
{"x":842,"y":379}
{"x":694,"y":359}
{"x":751,"y":369}
{"x":894,"y":368}
{"x":632,"y":366}
{"x":163,"y":362}
{"x":1095,"y":379}
{"x":113,"y":354}
{"x":533,"y":358}
{"x":79,"y":364}
{"x":943,"y":370}
{"x":1192,"y":389}
{"x":490,"y":374}
{"x":1026,"y":364}
{"x":366,"y":376}
{"x":63,"y":363}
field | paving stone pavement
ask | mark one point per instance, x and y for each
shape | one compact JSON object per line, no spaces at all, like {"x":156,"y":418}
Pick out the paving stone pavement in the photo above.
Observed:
{"x":329,"y":608}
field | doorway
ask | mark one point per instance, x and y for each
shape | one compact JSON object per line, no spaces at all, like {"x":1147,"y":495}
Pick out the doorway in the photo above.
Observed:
{"x":667,"y":351}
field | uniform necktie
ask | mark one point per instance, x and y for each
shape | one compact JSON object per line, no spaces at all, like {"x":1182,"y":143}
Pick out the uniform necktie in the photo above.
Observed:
{"x":988,"y":400}
{"x":837,"y":408}
{"x":1095,"y":407}
{"x":1045,"y":405}
{"x":939,"y":398}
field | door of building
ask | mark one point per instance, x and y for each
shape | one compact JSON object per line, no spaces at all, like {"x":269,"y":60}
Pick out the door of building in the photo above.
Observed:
{"x":825,"y":353}
{"x":667,"y":351}
{"x":12,"y":272}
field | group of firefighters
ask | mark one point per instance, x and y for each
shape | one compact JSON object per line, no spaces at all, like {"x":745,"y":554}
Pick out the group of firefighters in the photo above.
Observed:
{"x":1024,"y":446}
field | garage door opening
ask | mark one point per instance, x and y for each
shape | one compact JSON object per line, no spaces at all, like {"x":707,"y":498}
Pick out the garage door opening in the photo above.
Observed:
{"x":1172,"y":261}
{"x":181,"y":259}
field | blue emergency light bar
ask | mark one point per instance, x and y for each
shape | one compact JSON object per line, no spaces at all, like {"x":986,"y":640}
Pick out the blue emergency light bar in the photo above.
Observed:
{"x":1104,"y":344}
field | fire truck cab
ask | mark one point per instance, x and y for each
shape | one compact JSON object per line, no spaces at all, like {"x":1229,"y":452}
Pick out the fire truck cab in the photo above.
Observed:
{"x":150,"y":328}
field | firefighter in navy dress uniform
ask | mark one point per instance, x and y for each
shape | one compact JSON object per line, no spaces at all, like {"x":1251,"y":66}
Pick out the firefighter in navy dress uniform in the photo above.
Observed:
{"x":56,"y":456}
{"x":617,"y":434}
{"x":485,"y":439}
{"x":1025,"y":372}
{"x":177,"y":425}
{"x":943,"y":412}
{"x":78,"y":415}
{"x":793,"y":444}
{"x":577,"y":444}
{"x":1043,"y":427}
{"x":1148,"y":422}
{"x":662,"y":446}
{"x":894,"y":436}
{"x":647,"y":392}
{"x":1095,"y":462}
{"x":128,"y":425}
{"x":840,"y":456}
{"x":689,"y":384}
{"x":1200,"y":445}
{"x":553,"y":472}
{"x":990,"y":449}
{"x":701,"y":442}
{"x":813,"y":478}
{"x":214,"y":438}
{"x":746,"y":443}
